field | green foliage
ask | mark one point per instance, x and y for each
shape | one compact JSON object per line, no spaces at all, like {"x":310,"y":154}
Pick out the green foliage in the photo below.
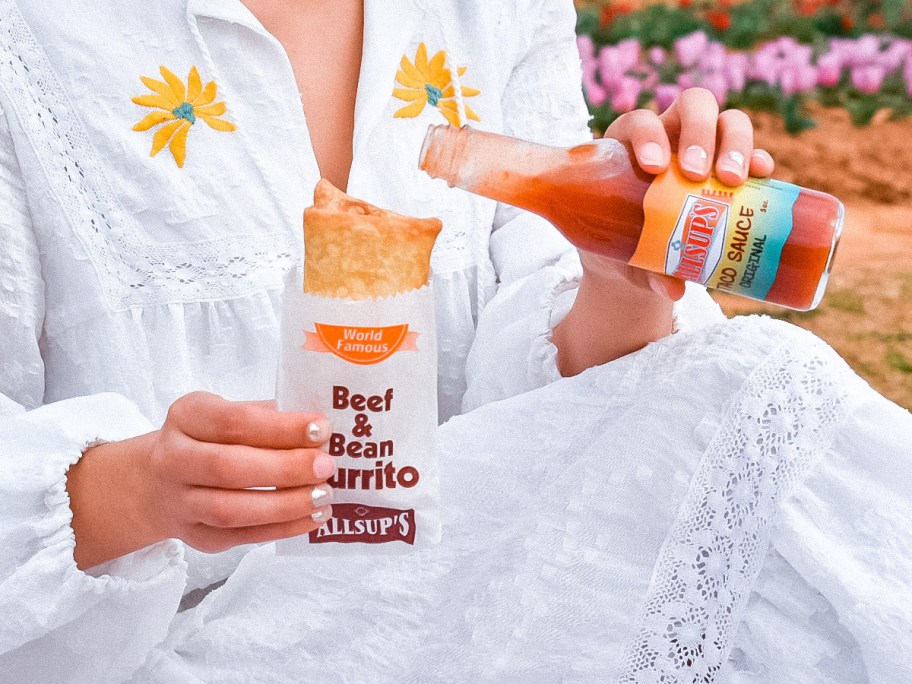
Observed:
{"x":829,"y":22}
{"x":757,"y":96}
{"x":893,"y":11}
{"x":749,"y":23}
{"x":655,"y":25}
{"x":862,"y":107}
{"x":897,"y":360}
{"x":847,"y":301}
{"x":793,"y":112}
{"x":602,"y":117}
{"x":587,"y":22}
{"x":761,"y":97}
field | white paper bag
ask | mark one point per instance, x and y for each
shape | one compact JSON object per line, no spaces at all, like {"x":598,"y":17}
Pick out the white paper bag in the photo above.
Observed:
{"x":371,"y":367}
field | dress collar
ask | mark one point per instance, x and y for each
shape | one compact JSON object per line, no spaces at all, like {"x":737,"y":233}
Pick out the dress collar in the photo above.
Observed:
{"x":389,"y":26}
{"x":231,"y":11}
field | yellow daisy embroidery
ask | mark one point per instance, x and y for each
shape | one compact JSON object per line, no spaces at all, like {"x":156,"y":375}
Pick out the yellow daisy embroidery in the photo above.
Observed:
{"x":430,"y":82}
{"x":179,"y":107}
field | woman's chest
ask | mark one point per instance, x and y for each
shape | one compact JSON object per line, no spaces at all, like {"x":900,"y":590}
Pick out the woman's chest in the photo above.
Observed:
{"x":323,"y":41}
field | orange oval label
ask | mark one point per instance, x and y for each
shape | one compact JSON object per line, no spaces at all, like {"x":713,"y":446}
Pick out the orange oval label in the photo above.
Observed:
{"x":363,"y":346}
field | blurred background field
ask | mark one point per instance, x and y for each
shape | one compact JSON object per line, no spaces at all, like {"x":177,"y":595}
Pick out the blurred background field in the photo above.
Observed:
{"x":828,"y":84}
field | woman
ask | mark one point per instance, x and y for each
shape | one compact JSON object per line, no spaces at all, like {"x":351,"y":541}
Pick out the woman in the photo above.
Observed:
{"x":153,"y":277}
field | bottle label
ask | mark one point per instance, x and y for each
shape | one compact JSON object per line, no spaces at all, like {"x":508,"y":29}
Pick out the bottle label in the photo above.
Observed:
{"x":727,"y":238}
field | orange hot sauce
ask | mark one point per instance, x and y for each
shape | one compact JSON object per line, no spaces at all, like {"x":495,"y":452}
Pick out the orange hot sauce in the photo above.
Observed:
{"x":768,"y":240}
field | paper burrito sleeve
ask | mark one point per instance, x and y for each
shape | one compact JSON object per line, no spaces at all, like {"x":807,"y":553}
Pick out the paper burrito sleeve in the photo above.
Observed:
{"x":359,"y":345}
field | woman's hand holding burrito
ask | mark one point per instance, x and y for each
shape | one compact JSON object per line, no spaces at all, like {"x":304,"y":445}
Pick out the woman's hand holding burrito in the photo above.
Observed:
{"x":198,"y":479}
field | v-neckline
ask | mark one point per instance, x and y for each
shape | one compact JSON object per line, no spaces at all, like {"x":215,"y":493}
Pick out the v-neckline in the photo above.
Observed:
{"x":388,"y":28}
{"x":324,"y":53}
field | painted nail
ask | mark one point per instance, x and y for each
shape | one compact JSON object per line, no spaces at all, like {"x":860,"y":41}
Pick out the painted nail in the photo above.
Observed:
{"x":324,"y":467}
{"x":321,"y":515}
{"x":733,"y":162}
{"x":762,"y":156}
{"x":693,"y":159}
{"x":318,"y":431}
{"x":322,"y":496}
{"x":651,"y":154}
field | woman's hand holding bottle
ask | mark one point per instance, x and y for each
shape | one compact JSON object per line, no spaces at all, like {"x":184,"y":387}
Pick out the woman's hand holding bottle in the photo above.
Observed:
{"x":704,"y":140}
{"x":620,"y":308}
{"x":611,"y":199}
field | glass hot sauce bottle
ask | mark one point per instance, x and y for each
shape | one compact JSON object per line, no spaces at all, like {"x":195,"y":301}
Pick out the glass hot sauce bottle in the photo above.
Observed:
{"x":766,"y":239}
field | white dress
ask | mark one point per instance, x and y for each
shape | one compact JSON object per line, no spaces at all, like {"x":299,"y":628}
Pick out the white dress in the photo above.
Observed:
{"x":127,"y":281}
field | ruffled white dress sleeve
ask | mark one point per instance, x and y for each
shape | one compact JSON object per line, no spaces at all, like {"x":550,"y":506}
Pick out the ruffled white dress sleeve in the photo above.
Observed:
{"x":56,"y":618}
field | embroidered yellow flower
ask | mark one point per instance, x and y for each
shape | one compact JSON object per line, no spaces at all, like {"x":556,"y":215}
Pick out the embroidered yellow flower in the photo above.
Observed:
{"x":179,"y":107}
{"x":430,"y":82}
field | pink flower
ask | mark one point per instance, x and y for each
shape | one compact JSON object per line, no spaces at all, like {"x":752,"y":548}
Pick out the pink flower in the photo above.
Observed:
{"x":892,"y":58}
{"x":593,"y":90}
{"x":786,"y":44}
{"x":868,"y":79}
{"x":686,"y":80}
{"x":790,"y":81}
{"x":629,"y":52}
{"x":689,"y":48}
{"x":735,"y":71}
{"x":807,"y":77}
{"x":586,"y":46}
{"x":865,"y":50}
{"x":764,"y":67}
{"x":665,"y":95}
{"x":611,"y":66}
{"x":657,"y":55}
{"x":829,"y":69}
{"x":716,"y":83}
{"x":650,"y":78}
{"x":802,"y":53}
{"x":798,"y":78}
{"x":626,"y":94}
{"x":589,"y":67}
{"x":713,"y":57}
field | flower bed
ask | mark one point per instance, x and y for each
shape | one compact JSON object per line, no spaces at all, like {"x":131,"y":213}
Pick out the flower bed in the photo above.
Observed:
{"x":646,"y":57}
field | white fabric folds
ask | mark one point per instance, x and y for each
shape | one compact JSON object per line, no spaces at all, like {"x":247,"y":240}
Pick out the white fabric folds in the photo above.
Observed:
{"x":585,"y":557}
{"x":59,"y":623}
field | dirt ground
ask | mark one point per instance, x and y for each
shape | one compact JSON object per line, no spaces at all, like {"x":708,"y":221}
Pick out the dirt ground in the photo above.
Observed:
{"x":866,"y":314}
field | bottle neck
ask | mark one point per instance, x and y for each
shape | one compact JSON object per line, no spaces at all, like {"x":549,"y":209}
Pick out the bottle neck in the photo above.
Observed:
{"x":488,"y":164}
{"x":590,"y":192}
{"x":442,"y":153}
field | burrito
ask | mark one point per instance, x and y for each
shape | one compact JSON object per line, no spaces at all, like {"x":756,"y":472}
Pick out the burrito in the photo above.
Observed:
{"x":359,"y":345}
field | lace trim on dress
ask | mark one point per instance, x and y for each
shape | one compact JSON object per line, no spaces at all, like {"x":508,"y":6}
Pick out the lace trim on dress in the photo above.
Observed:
{"x":132,"y":272}
{"x":780,"y":425}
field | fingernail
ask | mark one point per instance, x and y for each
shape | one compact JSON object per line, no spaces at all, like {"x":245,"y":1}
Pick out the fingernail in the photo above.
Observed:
{"x":324,"y":467}
{"x":733,"y":162}
{"x":693,"y":159}
{"x":318,"y":431}
{"x":322,"y":496}
{"x":651,"y":154}
{"x":321,"y":515}
{"x":763,"y":156}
